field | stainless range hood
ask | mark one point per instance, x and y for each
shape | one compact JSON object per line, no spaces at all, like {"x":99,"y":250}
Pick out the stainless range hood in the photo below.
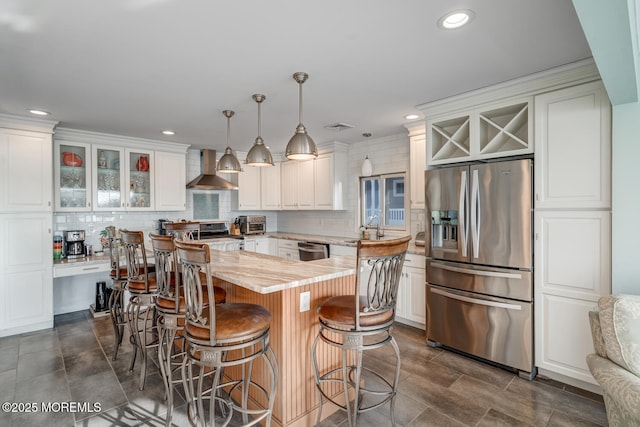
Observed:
{"x":208,"y":180}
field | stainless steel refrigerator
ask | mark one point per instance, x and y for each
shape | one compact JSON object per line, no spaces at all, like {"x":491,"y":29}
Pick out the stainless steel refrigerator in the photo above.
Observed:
{"x":479,"y":269}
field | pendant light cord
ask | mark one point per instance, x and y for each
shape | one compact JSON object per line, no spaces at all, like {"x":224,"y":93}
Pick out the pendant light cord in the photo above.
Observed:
{"x":300,"y":104}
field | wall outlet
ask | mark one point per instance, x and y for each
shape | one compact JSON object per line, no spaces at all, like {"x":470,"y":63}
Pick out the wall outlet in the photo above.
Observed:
{"x":305,"y":301}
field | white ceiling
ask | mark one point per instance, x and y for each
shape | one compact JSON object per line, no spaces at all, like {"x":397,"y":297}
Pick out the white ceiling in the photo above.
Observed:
{"x":136,"y":67}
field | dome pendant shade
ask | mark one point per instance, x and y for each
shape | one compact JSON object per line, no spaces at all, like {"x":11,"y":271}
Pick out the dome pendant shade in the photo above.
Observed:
{"x":228,"y":162}
{"x":259,"y":154}
{"x":301,"y":146}
{"x":367,"y":167}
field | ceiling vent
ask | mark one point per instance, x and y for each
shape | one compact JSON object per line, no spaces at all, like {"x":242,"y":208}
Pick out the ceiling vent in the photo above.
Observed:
{"x":339,"y":126}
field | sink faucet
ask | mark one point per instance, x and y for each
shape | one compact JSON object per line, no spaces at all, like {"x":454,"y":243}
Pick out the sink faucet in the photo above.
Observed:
{"x":379,"y":233}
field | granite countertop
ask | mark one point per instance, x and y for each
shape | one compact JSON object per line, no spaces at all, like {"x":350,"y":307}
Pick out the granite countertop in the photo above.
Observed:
{"x":266,"y":273}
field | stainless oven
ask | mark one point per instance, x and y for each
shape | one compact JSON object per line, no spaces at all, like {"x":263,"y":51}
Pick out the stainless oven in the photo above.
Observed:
{"x":253,"y":224}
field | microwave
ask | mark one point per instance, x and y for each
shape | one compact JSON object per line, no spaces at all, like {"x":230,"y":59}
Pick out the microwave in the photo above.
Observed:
{"x":253,"y":224}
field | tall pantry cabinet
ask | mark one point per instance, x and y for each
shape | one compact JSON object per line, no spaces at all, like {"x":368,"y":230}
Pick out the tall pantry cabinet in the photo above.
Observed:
{"x":26,"y":254}
{"x":572,"y":223}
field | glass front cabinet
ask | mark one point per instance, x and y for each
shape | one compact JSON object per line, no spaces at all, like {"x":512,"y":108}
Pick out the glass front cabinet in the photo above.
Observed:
{"x":72,"y":178}
{"x":108,"y":178}
{"x":139,"y":180}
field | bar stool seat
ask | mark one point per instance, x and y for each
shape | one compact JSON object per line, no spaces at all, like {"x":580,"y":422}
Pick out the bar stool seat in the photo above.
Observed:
{"x":338,"y":312}
{"x":234,"y":322}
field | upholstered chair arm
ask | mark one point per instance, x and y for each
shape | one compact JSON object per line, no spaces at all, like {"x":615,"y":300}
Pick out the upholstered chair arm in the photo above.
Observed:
{"x":596,"y":334}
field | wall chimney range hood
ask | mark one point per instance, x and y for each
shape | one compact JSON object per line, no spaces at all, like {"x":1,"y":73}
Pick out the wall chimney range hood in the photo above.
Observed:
{"x":208,"y":180}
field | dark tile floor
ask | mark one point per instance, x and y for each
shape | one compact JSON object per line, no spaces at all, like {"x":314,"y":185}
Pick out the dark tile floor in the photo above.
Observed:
{"x":72,"y":363}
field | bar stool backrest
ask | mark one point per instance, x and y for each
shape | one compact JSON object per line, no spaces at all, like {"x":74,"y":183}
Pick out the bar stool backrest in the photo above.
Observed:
{"x":183,"y":230}
{"x":195,"y":257}
{"x":114,"y":253}
{"x":164,"y":253}
{"x":379,"y":266}
{"x":135,"y":256}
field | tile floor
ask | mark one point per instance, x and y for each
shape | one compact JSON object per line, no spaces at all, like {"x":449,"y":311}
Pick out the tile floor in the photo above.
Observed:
{"x":72,"y":363}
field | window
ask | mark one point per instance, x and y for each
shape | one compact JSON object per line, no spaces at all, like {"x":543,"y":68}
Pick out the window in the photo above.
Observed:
{"x":382,"y":201}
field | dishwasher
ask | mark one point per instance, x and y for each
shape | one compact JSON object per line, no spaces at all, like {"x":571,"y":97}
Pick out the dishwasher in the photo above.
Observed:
{"x":310,"y":251}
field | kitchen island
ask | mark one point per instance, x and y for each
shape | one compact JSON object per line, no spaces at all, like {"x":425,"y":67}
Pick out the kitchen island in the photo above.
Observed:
{"x":282,"y":286}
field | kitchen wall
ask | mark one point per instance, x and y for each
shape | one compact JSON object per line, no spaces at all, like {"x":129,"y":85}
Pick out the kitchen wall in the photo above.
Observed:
{"x":387,"y":154}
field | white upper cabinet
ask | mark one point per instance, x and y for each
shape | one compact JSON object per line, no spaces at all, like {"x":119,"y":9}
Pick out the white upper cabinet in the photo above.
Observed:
{"x":117,"y":173}
{"x":487,"y":131}
{"x":249,"y":188}
{"x":317,"y":184}
{"x":573,"y":148}
{"x":170,"y":187}
{"x":270,"y":187}
{"x":25,"y":171}
{"x":417,"y":164}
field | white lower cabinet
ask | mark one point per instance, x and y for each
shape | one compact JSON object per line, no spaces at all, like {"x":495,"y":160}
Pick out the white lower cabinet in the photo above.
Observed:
{"x":26,"y":273}
{"x":573,"y":270}
{"x":339,"y":250}
{"x":288,"y":249}
{"x":411,"y":307}
{"x":263,"y":245}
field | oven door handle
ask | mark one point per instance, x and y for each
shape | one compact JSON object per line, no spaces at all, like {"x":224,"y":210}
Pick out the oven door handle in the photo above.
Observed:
{"x":476,"y":272}
{"x":476,"y":300}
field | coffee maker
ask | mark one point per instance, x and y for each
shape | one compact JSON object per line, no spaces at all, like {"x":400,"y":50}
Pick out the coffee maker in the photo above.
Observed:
{"x":74,"y":244}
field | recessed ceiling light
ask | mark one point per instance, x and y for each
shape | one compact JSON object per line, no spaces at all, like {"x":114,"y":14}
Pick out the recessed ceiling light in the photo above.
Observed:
{"x":455,"y":19}
{"x":168,"y":132}
{"x":40,"y":112}
{"x":411,"y":116}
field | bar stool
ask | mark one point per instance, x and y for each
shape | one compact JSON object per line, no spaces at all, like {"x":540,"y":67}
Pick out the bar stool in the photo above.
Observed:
{"x":362,"y":321}
{"x":141,"y":311}
{"x":118,"y":276}
{"x":183,"y":230}
{"x":221,"y":337}
{"x":170,"y":309}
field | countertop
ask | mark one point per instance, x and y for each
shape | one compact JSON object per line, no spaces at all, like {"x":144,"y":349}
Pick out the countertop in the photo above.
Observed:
{"x":266,"y":273}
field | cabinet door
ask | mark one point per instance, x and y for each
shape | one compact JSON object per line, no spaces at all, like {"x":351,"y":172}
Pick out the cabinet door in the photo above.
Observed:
{"x":25,"y":171}
{"x":324,"y":191}
{"x":573,"y":148}
{"x":139,"y":176}
{"x":250,"y":245}
{"x":108,"y":178}
{"x":249,"y":188}
{"x":26,"y":272}
{"x":306,"y":184}
{"x":72,"y":176}
{"x":262,"y":245}
{"x":170,"y":181}
{"x":289,"y":187}
{"x":270,"y":187}
{"x":417,"y":166}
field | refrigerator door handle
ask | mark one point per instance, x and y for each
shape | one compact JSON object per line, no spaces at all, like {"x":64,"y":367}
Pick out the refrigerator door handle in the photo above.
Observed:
{"x":462,"y":214}
{"x":476,"y":300}
{"x":475,"y":213}
{"x":476,"y":272}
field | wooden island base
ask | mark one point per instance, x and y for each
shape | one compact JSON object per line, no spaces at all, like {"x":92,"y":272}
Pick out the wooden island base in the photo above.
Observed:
{"x":292,"y":334}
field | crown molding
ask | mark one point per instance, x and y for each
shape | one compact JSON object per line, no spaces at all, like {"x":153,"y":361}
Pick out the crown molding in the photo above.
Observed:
{"x":27,"y":123}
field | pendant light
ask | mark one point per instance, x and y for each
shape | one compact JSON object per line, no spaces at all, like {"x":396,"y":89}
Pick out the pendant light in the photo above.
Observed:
{"x":301,"y":146}
{"x":228,"y":162}
{"x":259,"y":154}
{"x":367,"y":167}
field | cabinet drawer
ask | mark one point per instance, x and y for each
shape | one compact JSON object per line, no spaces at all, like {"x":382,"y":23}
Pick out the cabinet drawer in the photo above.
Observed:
{"x":414,"y":260}
{"x":81,"y":268}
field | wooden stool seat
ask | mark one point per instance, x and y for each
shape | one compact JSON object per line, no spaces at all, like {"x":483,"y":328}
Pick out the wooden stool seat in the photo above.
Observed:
{"x":234,"y":322}
{"x":339,"y":311}
{"x":141,"y":286}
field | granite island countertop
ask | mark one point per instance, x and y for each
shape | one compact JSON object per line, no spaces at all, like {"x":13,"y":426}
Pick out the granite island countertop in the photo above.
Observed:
{"x":265,"y":274}
{"x":337,"y":240}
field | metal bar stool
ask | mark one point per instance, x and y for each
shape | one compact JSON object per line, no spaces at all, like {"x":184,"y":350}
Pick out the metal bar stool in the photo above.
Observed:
{"x":183,"y":230}
{"x":141,"y":311}
{"x":118,"y":275}
{"x":221,"y":337}
{"x":170,"y":309}
{"x":362,"y":321}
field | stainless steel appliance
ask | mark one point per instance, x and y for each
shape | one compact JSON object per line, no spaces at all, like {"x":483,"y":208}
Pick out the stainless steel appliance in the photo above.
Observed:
{"x":219,"y":231}
{"x":74,"y":244}
{"x":479,"y":269}
{"x":253,"y":224}
{"x":309,"y":251}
